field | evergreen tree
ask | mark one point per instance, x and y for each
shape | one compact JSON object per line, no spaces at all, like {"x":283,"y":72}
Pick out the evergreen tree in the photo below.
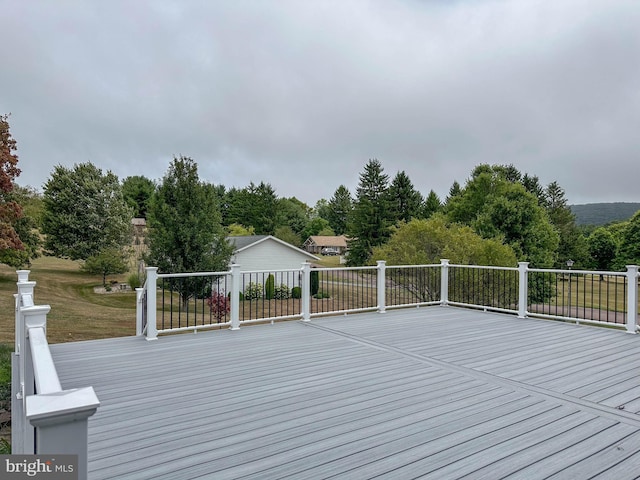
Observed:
{"x":404,"y":199}
{"x":572,"y":245}
{"x":253,"y":206}
{"x":338,"y":210}
{"x":137,"y":192}
{"x":454,"y":191}
{"x":431,"y":205}
{"x":532,"y":185}
{"x":291,"y":213}
{"x":369,"y":221}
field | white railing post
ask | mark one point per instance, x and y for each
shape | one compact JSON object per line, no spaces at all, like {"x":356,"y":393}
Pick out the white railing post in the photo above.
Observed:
{"x":139,"y":310}
{"x":444,"y":281}
{"x":381,"y":269}
{"x":61,"y":420}
{"x":152,"y":280}
{"x":523,"y":288}
{"x":632,"y":298}
{"x":235,"y":297}
{"x":306,"y":292}
{"x":24,"y":380}
{"x":24,"y":298}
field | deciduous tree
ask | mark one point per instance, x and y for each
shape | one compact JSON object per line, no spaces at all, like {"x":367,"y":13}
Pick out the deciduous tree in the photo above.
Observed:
{"x":84,"y":212}
{"x":602,"y":248}
{"x":495,"y":204}
{"x":630,"y":242}
{"x":14,"y":250}
{"x":185,"y":230}
{"x":110,"y":261}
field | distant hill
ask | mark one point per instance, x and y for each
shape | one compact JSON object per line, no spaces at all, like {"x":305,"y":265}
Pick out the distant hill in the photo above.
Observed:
{"x":603,"y":213}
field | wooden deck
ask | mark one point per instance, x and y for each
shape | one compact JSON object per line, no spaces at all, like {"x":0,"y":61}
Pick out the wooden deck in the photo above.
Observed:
{"x":435,"y":392}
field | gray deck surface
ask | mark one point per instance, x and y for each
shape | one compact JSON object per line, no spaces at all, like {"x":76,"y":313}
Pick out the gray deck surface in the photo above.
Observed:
{"x":435,"y":392}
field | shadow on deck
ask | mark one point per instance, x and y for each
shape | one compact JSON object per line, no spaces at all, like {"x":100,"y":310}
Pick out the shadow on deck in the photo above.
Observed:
{"x":435,"y":392}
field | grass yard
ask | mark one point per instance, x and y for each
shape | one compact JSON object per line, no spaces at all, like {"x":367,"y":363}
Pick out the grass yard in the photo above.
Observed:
{"x":77,"y":313}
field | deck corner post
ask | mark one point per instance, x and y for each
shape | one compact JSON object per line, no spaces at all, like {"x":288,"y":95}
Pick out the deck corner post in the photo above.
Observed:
{"x":24,"y":298}
{"x":523,"y":288}
{"x":152,"y":287}
{"x":632,"y":298}
{"x":381,"y":269}
{"x":306,"y":292}
{"x":234,"y":309}
{"x":444,"y":281}
{"x":61,"y":421}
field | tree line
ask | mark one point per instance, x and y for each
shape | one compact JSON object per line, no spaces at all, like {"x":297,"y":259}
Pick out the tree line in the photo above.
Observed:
{"x":498,"y":217}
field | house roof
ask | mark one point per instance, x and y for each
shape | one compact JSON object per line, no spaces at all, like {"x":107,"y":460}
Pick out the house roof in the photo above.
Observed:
{"x":329,"y":240}
{"x":248,"y":241}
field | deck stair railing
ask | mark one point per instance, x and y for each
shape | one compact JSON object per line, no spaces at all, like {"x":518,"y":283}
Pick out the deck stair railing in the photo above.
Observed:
{"x":592,"y":297}
{"x":45,"y":418}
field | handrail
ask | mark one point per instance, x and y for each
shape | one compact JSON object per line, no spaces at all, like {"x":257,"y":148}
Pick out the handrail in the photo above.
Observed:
{"x":44,"y":369}
{"x":510,"y":292}
{"x":46,"y":418}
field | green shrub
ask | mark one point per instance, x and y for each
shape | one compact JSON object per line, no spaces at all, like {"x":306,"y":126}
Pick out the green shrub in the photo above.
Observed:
{"x":5,"y":389}
{"x":321,"y":295}
{"x":134,"y":281}
{"x":269,"y":287}
{"x":315,"y":282}
{"x":5,"y":447}
{"x":296,"y":292}
{"x":282,"y":292}
{"x":253,"y":291}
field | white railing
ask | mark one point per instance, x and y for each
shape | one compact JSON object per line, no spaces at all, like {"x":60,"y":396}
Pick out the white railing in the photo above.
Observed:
{"x":45,"y":418}
{"x":502,"y":289}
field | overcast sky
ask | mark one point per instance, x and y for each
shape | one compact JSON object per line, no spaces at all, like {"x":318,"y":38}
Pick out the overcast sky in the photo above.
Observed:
{"x":301,"y":94}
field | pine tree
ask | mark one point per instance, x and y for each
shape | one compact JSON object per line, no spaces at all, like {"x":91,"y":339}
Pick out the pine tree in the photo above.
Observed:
{"x":431,"y":205}
{"x":338,"y":210}
{"x":404,"y":199}
{"x":370,"y":220}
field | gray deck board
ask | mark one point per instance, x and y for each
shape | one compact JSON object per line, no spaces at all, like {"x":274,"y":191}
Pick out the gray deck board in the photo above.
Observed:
{"x":429,"y":392}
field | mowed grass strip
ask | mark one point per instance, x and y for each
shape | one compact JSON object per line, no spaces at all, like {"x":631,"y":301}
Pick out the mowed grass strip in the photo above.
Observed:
{"x":77,"y":312}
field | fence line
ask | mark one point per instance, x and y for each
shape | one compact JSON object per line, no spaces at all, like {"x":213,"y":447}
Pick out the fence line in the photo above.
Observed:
{"x":247,"y":297}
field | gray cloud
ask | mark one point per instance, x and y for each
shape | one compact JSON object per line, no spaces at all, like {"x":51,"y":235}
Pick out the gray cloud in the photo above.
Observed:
{"x":302,"y":94}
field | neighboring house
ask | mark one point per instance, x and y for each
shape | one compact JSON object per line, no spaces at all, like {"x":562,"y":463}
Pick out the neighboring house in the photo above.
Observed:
{"x":330,"y":244}
{"x":267,"y":253}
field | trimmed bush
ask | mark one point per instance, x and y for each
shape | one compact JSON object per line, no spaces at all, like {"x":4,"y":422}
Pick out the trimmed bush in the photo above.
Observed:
{"x":315,"y":282}
{"x":296,"y":292}
{"x":269,"y":287}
